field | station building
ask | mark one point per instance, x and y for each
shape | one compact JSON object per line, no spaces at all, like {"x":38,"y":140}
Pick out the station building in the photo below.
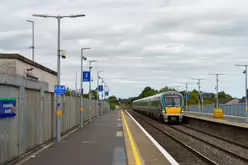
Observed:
{"x":21,"y":71}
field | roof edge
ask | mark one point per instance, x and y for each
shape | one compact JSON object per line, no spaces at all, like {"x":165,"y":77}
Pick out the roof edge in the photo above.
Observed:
{"x":26,"y":60}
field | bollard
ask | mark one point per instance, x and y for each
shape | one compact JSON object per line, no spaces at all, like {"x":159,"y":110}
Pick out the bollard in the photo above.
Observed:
{"x":218,"y":113}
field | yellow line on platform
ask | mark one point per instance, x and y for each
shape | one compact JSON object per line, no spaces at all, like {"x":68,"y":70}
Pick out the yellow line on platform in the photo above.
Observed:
{"x":133,"y":145}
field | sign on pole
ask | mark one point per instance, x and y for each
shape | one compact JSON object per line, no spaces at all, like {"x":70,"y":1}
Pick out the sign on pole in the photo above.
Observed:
{"x":186,"y":95}
{"x":86,"y":76}
{"x":7,"y":107}
{"x":59,"y":89}
{"x":106,"y":93}
{"x":100,"y":88}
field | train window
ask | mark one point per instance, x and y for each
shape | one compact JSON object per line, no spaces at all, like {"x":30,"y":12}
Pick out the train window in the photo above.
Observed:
{"x":172,"y":101}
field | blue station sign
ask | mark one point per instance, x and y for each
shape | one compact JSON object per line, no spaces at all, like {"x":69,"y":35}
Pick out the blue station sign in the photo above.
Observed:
{"x":86,"y":76}
{"x":7,"y":107}
{"x":59,"y":89}
{"x":106,"y":93}
{"x":100,"y":88}
{"x":186,"y":95}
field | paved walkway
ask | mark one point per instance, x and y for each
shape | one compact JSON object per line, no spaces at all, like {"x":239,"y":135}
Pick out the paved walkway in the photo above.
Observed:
{"x":99,"y":143}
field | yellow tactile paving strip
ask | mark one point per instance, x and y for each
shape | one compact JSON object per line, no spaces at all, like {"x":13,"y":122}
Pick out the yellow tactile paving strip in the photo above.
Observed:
{"x":133,"y":155}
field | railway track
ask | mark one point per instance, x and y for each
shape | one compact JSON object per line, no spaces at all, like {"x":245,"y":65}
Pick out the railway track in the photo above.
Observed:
{"x":218,"y":137}
{"x":209,"y":149}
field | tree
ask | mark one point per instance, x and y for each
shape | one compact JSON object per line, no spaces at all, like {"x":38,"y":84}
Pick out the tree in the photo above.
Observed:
{"x":222,"y":94}
{"x":86,"y":96}
{"x":68,"y":92}
{"x":148,"y":91}
{"x":113,"y":99}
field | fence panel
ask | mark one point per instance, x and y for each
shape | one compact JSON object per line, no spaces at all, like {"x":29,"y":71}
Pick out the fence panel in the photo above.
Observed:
{"x":35,"y":120}
{"x":229,"y":109}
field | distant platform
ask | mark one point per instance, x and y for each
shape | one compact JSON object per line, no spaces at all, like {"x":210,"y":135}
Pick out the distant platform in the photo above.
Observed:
{"x":231,"y":120}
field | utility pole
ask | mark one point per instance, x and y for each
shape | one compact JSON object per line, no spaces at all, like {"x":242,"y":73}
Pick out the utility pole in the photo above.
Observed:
{"x":58,"y":106}
{"x":199,"y":98}
{"x":76,"y":83}
{"x":187,"y":94}
{"x":90,"y":93}
{"x":32,"y":47}
{"x":217,"y":87}
{"x":82,"y":58}
{"x":102,"y":97}
{"x":246,"y":92}
{"x":98,"y":77}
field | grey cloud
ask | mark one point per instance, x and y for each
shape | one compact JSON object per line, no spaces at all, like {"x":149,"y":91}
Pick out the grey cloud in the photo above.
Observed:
{"x":136,"y":43}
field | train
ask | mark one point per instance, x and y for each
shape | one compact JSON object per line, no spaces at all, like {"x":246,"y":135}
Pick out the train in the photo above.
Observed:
{"x":166,"y":107}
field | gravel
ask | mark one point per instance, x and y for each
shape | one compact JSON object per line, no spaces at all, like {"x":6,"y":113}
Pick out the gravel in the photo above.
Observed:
{"x":177,"y":151}
{"x":215,"y":154}
{"x":237,"y":150}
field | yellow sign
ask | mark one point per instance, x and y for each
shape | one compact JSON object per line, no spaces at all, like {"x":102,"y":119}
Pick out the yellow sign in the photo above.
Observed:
{"x":90,"y":107}
{"x":59,"y":112}
{"x":81,"y":109}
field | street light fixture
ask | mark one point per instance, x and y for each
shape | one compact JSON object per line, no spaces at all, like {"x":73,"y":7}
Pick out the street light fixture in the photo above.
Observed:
{"x":59,"y":111}
{"x":217,"y":80}
{"x":32,"y":47}
{"x":81,"y":87}
{"x":246,"y":92}
{"x":90,"y":67}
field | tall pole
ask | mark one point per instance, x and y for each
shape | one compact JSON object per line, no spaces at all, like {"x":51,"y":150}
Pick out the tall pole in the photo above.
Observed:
{"x":81,"y":87}
{"x":58,"y":81}
{"x":58,"y":106}
{"x":199,"y":90}
{"x":217,"y":88}
{"x":102,"y":98}
{"x":98,"y":77}
{"x":76,"y":83}
{"x":90,"y":93}
{"x":81,"y":91}
{"x":186,"y":97}
{"x":97,"y":94}
{"x":246,"y":93}
{"x":32,"y":47}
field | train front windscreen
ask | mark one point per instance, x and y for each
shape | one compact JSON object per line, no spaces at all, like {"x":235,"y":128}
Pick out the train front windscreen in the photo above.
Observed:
{"x":172,"y":101}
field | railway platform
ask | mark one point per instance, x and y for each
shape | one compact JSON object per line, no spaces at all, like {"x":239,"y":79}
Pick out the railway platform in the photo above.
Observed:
{"x":229,"y":120}
{"x":114,"y":138}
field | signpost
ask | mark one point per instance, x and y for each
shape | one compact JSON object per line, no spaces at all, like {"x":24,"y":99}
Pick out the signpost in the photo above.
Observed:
{"x":186,"y":95}
{"x":7,"y":107}
{"x":86,"y":76}
{"x":106,"y":93}
{"x":100,"y":88}
{"x":59,"y":89}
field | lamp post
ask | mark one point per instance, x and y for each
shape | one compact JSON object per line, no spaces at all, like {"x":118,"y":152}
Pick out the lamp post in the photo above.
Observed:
{"x":246,"y":93}
{"x":90,"y":67}
{"x":81,"y":87}
{"x":98,"y":77}
{"x":217,"y":87}
{"x":199,"y":98}
{"x":59,"y":111}
{"x":32,"y":47}
{"x":102,"y":97}
{"x":186,"y":92}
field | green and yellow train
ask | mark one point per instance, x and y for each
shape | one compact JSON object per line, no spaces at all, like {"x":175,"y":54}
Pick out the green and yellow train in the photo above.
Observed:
{"x":166,"y":107}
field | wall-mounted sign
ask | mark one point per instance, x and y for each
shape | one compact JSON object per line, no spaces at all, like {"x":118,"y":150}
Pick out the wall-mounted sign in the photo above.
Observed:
{"x":7,"y":107}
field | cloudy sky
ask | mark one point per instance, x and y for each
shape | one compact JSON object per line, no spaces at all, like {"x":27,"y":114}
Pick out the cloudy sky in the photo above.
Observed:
{"x":136,"y":42}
